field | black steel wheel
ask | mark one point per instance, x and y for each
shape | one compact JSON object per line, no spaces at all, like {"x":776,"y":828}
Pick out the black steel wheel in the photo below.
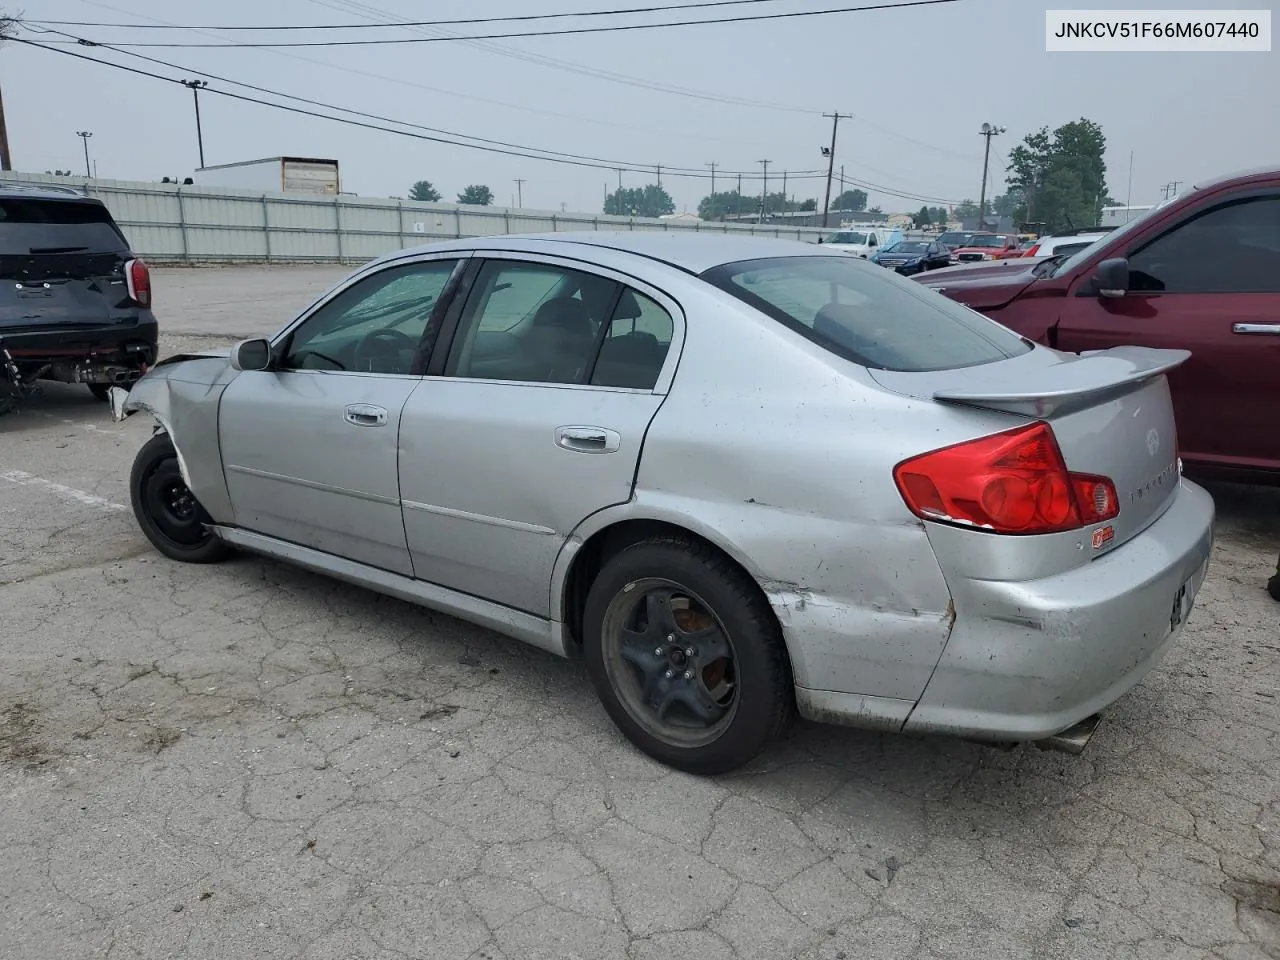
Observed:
{"x":686,"y":655}
{"x":166,"y":510}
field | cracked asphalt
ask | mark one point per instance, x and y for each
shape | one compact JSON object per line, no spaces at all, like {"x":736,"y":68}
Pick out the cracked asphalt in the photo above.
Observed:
{"x":248,"y":760}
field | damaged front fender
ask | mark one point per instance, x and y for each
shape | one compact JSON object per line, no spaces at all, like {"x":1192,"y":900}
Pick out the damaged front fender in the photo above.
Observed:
{"x":182,"y":394}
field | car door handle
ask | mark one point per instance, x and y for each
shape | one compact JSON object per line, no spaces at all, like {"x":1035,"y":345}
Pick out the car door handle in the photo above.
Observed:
{"x":365,"y":415}
{"x":1262,"y":329}
{"x":588,"y":439}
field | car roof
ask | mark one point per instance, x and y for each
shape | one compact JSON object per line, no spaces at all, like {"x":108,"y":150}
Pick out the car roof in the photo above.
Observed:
{"x":39,"y":191}
{"x":693,"y":252}
{"x":1253,"y":173}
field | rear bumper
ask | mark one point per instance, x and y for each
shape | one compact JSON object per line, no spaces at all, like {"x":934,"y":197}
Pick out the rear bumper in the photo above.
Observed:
{"x":84,"y":353}
{"x":1028,"y":659}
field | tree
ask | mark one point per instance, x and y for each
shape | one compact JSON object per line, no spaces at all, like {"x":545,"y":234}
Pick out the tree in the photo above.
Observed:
{"x":423,"y":190}
{"x":875,"y":210}
{"x":922,"y":219}
{"x":476,"y":194}
{"x":855,"y":200}
{"x":648,"y":201}
{"x":1060,"y":176}
{"x":718,"y":206}
{"x":966,"y":210}
{"x":808,"y":206}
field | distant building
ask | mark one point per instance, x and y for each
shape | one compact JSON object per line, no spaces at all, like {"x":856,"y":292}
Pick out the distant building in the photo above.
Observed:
{"x":685,"y":217}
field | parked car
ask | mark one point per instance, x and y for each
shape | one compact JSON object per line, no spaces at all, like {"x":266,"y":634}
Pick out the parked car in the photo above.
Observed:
{"x":1199,"y":272}
{"x":913,"y":256}
{"x":862,"y":242}
{"x":733,"y":473}
{"x":76,"y":303}
{"x":1063,"y":245}
{"x":986,"y":246}
{"x":954,"y":239}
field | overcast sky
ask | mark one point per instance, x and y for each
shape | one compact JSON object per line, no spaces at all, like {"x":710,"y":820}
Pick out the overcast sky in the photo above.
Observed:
{"x":919,"y":83}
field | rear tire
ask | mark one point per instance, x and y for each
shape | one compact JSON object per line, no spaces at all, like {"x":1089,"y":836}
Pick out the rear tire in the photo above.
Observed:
{"x":686,"y":655}
{"x":99,"y":391}
{"x":166,"y":510}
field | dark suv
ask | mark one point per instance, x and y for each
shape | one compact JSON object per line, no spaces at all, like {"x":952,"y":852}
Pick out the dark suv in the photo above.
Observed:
{"x":75,"y":303}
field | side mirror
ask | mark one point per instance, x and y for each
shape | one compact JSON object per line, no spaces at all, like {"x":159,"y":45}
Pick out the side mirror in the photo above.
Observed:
{"x":1113,"y":277}
{"x":251,"y":354}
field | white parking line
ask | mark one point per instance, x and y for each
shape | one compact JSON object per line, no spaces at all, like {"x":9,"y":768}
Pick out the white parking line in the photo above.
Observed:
{"x":70,"y":493}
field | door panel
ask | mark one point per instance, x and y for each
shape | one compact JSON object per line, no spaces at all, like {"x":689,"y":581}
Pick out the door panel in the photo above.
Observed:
{"x":492,"y":487}
{"x":536,"y":422}
{"x":310,"y":457}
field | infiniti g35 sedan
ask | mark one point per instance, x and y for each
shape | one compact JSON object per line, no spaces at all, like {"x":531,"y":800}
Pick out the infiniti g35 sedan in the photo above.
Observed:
{"x":739,"y":476}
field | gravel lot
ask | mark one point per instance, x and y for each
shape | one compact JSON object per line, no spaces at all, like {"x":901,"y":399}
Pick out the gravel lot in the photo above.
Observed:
{"x":248,"y":760}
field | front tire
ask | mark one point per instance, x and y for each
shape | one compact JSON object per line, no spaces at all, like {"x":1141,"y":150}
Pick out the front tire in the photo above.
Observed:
{"x":686,"y":655}
{"x":166,"y":510}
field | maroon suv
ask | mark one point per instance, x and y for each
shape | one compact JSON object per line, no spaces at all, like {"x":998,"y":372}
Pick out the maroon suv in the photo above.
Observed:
{"x":1200,"y":272}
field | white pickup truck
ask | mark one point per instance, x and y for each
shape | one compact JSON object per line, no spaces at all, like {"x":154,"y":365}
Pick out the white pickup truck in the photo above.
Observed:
{"x":861,"y":241}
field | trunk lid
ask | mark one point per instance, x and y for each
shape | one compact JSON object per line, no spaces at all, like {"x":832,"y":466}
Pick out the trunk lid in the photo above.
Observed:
{"x":1110,"y":411}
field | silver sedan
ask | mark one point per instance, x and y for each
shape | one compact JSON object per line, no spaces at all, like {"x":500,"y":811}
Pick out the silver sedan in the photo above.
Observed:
{"x":738,"y":476}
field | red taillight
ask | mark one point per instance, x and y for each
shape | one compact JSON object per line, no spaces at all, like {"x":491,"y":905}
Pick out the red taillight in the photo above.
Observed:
{"x":1012,"y":482}
{"x":1032,"y":252}
{"x":138,"y":280}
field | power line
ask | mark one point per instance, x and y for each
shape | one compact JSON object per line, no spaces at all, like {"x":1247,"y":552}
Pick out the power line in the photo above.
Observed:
{"x":631,"y":166}
{"x":422,"y":86}
{"x":529,"y":153}
{"x":354,"y":6}
{"x":613,"y":28}
{"x":417,"y":23}
{"x":499,"y":147}
{"x":514,"y":53}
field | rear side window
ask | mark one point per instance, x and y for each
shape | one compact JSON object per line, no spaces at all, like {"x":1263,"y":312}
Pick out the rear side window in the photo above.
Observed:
{"x":37,"y":226}
{"x":867,"y":314}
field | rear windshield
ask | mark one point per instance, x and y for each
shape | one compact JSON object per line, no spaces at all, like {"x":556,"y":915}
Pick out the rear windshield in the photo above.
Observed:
{"x":36,"y":226}
{"x":868,"y":315}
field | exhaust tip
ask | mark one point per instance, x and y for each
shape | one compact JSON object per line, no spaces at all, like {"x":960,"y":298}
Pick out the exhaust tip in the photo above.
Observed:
{"x":1073,"y":740}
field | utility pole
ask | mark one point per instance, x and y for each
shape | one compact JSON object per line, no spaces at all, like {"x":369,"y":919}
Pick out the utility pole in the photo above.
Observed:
{"x":784,"y":191}
{"x":764,"y":190}
{"x":988,"y":130}
{"x":6,"y":162}
{"x":713,"y":164}
{"x":831,"y":161}
{"x":737,"y":201}
{"x":659,"y":176}
{"x":85,"y":135}
{"x":196,"y":86}
{"x":1171,"y":189}
{"x":520,"y":193}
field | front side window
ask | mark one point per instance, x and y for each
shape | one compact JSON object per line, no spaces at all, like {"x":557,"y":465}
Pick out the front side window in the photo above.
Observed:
{"x":386,"y":323}
{"x":532,"y":322}
{"x":868,"y":315}
{"x":1233,"y":248}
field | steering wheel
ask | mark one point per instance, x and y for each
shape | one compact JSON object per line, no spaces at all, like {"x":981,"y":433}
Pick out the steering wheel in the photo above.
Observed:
{"x":377,"y":344}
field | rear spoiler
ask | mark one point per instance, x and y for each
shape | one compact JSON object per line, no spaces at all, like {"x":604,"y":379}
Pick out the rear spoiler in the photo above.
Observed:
{"x":1064,"y":383}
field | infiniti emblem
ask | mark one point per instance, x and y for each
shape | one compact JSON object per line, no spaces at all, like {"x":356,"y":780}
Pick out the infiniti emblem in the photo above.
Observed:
{"x":1153,"y":441}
